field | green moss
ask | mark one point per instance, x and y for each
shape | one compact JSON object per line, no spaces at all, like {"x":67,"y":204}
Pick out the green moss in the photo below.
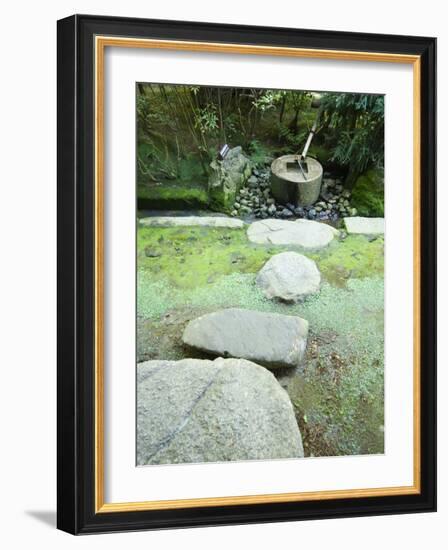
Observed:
{"x":188,"y":257}
{"x":220,"y":201}
{"x":368,"y":194}
{"x":338,"y":394}
{"x":191,"y":257}
{"x":335,"y":309}
{"x":339,"y":404}
{"x":171,"y":196}
{"x":355,"y":257}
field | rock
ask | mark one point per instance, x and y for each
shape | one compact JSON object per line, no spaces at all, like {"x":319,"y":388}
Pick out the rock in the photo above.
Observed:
{"x":152,"y":252}
{"x":174,"y":221}
{"x":304,"y":233}
{"x":366,"y":226}
{"x":286,"y":213}
{"x":271,"y":339}
{"x":252,"y":181}
{"x":212,"y":411}
{"x":227,"y":177}
{"x":289,"y":277}
{"x":236,"y":257}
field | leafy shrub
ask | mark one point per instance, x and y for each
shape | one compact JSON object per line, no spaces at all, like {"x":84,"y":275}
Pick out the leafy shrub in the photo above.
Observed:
{"x":258,"y":153}
{"x":355,"y":125}
{"x":368,"y":194}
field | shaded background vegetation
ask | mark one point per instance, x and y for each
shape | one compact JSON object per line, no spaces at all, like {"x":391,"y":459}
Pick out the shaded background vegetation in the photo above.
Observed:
{"x":181,"y":128}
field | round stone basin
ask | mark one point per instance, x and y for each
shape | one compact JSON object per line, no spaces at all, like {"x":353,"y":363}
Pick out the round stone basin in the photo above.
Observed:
{"x":290,"y":185}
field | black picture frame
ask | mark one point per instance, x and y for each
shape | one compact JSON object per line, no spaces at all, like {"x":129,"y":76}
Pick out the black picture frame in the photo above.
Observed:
{"x":76,"y":254}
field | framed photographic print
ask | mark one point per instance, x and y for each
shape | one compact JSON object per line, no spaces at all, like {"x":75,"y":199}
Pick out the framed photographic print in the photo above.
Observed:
{"x":246,"y":274}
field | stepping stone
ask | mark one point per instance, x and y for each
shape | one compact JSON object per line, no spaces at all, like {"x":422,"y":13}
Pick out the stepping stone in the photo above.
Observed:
{"x":198,"y":411}
{"x":304,"y":233}
{"x":289,"y":277}
{"x":364,"y":226}
{"x":205,"y":221}
{"x":271,"y":339}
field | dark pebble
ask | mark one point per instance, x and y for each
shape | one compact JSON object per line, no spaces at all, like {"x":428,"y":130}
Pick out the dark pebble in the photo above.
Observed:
{"x":152,"y":253}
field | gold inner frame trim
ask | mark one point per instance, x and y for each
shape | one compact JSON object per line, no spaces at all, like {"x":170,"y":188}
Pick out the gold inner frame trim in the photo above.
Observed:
{"x":101,"y":42}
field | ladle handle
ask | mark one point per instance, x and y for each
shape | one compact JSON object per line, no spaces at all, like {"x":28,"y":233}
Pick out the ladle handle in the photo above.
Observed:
{"x":310,"y":136}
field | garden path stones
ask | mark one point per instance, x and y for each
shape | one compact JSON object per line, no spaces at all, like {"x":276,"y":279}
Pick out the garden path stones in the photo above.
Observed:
{"x":364,"y":226}
{"x":197,"y":410}
{"x":271,"y":339}
{"x":181,"y":221}
{"x":289,"y":277}
{"x":304,"y":233}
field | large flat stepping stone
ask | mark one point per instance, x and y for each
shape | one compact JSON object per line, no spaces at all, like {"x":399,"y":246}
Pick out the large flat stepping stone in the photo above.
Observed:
{"x":304,"y":233}
{"x":289,"y":277}
{"x":364,"y":226}
{"x":212,"y":411}
{"x":181,"y":221}
{"x":271,"y":339}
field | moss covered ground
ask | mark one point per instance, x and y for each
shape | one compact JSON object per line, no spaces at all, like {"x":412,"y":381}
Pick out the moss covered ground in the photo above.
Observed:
{"x":171,"y":196}
{"x":368,"y":194}
{"x":184,"y":272}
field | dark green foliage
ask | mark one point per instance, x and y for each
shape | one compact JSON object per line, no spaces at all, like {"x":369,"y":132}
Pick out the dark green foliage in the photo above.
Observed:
{"x":190,"y":123}
{"x":368,"y":194}
{"x":354,"y":128}
{"x":259,"y":153}
{"x":180,"y":129}
{"x":170,"y":196}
